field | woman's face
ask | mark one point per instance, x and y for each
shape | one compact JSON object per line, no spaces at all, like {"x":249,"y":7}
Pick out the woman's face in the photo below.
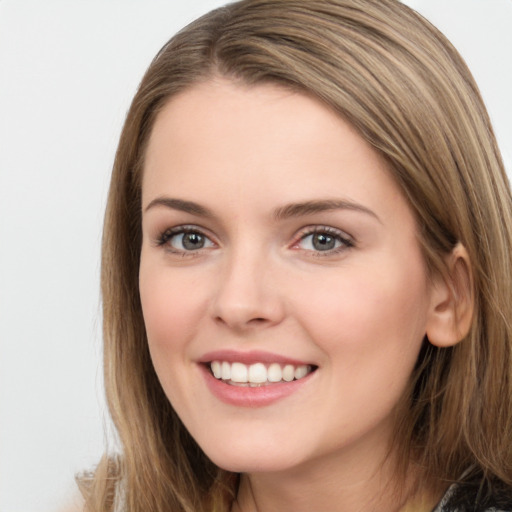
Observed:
{"x":278,"y":254}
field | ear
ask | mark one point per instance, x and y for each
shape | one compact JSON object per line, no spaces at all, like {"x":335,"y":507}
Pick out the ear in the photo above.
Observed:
{"x":452,"y":301}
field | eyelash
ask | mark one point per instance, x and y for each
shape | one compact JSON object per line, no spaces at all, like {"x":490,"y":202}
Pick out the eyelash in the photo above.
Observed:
{"x":346,"y":242}
{"x":166,"y":236}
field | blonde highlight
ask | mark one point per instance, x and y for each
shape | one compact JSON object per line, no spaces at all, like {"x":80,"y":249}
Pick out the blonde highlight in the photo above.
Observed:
{"x":402,"y":85}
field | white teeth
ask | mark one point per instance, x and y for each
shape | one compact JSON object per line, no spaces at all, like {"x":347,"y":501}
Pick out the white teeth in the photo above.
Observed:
{"x":238,"y":372}
{"x":226,"y":371}
{"x":258,"y":373}
{"x":300,"y":371}
{"x":217,"y":369}
{"x":274,"y":373}
{"x":288,"y":373}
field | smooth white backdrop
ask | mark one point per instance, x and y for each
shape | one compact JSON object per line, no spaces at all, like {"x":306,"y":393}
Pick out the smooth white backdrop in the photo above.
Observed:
{"x":68,"y":70}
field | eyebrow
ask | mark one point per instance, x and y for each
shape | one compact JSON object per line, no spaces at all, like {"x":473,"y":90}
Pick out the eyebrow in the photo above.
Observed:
{"x":180,"y":205}
{"x":318,"y":206}
{"x":281,"y":213}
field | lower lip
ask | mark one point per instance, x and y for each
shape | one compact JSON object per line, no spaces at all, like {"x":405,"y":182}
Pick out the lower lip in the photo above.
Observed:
{"x":246,"y":396}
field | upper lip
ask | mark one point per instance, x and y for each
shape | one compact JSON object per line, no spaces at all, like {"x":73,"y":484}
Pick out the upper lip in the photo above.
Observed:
{"x":249,"y":357}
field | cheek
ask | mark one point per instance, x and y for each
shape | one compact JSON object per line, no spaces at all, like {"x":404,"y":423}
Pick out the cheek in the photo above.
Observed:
{"x":172,"y":304}
{"x":368,"y":317}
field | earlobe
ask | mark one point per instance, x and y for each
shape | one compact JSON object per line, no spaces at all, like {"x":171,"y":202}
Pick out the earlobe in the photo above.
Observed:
{"x":452,"y":301}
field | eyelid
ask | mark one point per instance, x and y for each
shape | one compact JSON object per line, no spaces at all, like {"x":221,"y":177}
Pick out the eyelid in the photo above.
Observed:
{"x":347,"y":241}
{"x":164,"y":236}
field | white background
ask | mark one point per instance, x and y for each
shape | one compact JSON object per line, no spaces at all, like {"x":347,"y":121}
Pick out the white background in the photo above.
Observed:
{"x":68,"y":70}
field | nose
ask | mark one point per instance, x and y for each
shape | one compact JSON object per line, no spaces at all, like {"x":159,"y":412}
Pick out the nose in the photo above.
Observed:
{"x":248,"y":296}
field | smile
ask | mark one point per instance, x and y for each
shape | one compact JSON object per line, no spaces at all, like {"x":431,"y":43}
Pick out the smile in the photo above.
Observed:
{"x":254,"y":378}
{"x":257,"y":374}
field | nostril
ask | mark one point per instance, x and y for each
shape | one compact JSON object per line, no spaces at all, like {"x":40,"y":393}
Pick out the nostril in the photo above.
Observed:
{"x":258,"y":321}
{"x":251,"y":322}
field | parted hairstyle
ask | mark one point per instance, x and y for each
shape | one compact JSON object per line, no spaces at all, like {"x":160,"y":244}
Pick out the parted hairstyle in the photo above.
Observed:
{"x":402,"y":85}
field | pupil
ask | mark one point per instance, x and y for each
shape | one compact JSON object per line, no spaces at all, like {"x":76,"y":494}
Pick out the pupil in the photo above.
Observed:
{"x":323,"y":242}
{"x":193,"y":241}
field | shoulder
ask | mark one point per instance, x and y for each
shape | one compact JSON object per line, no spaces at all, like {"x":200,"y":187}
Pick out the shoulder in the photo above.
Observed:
{"x":476,"y":497}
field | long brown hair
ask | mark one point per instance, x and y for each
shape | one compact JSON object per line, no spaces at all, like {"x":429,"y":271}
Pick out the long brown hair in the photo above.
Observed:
{"x":407,"y":91}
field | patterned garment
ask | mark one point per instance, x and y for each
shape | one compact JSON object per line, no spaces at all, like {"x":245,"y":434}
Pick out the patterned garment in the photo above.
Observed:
{"x":445,"y":505}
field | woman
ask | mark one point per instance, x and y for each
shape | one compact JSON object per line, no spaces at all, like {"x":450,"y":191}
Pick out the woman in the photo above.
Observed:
{"x":305,"y":262}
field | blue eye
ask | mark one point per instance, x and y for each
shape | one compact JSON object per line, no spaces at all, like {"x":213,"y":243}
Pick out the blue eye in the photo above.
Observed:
{"x":184,"y":240}
{"x":324,"y":240}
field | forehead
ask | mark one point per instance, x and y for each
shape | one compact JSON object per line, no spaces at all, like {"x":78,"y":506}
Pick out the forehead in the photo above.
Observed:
{"x":261,"y":143}
{"x":237,"y":112}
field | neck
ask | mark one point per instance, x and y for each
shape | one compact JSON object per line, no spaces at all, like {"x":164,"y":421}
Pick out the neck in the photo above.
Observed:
{"x":327,"y":486}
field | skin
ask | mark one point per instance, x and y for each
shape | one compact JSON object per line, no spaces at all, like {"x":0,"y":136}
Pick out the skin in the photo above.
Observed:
{"x":358,"y":313}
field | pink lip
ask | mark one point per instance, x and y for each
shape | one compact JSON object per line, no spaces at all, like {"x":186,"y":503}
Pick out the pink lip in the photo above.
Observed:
{"x":242,"y":396}
{"x":251,"y":357}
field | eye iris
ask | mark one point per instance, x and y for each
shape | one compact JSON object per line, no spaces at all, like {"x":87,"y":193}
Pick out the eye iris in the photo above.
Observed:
{"x":323,"y":242}
{"x":193,"y":241}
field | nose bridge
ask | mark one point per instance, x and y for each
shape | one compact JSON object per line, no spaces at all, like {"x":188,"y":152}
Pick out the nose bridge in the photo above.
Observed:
{"x":246,"y":294}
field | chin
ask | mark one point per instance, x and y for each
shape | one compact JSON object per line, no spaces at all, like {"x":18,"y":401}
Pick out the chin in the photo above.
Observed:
{"x":251,"y":459}
{"x":253,"y":464}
